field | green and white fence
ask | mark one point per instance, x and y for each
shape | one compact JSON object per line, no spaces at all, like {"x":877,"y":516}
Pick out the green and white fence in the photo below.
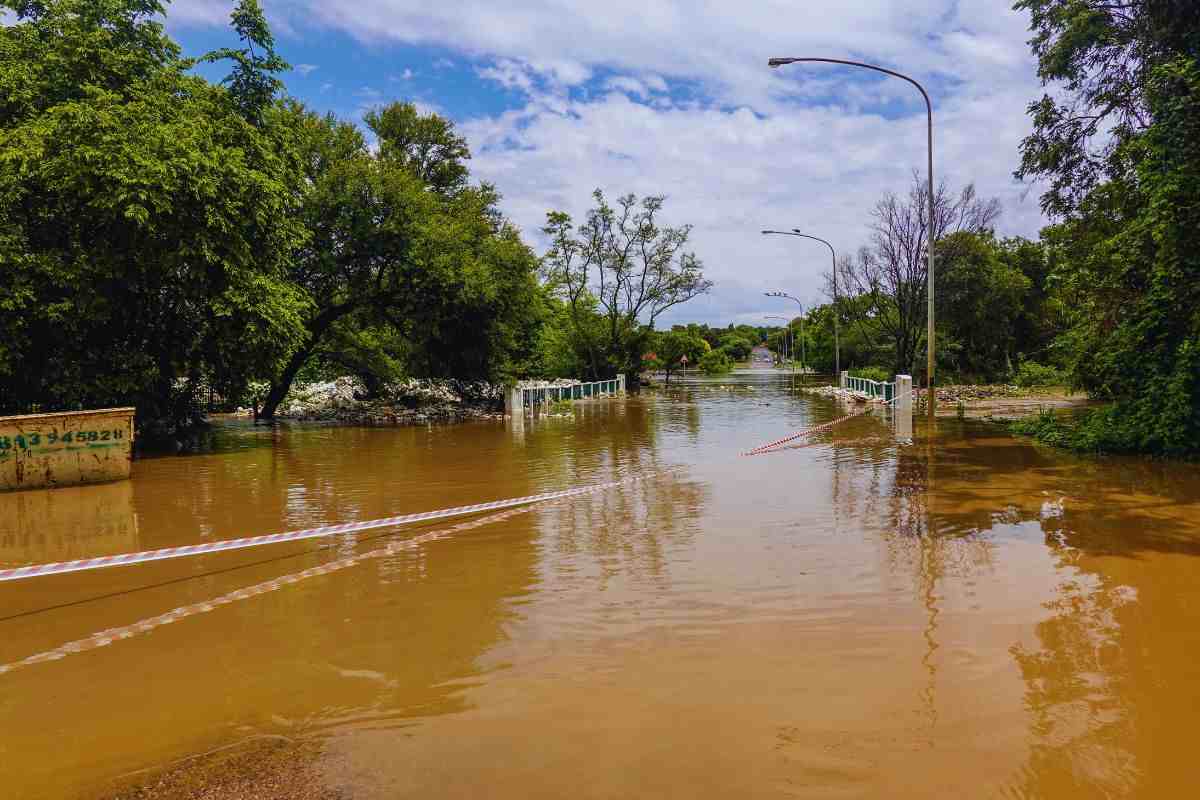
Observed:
{"x":520,"y":399}
{"x":899,"y":390}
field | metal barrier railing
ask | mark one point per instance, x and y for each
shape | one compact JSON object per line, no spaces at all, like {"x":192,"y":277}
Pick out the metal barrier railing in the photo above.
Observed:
{"x":872,"y":389}
{"x":544,"y":395}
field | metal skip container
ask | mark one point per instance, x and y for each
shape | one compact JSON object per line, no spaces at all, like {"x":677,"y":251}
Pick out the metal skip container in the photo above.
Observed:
{"x":40,"y":451}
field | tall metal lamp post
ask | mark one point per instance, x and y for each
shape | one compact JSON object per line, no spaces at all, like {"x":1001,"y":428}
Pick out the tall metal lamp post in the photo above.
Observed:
{"x":779,"y":62}
{"x":803,"y":353}
{"x":786,"y":339}
{"x":837,"y":345}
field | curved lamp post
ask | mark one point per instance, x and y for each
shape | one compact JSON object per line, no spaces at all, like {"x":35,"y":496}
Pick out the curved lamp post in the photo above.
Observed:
{"x":803,"y":354}
{"x":837,"y":346}
{"x":779,"y":62}
{"x":788,"y":327}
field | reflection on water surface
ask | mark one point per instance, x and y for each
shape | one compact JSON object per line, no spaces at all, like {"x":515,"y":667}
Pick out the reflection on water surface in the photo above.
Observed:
{"x":876,"y":615}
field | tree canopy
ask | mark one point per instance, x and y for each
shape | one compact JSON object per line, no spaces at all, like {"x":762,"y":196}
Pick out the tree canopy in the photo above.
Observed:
{"x":623,"y":266}
{"x":157,"y":229}
{"x":1121,"y":149}
{"x":145,"y":224}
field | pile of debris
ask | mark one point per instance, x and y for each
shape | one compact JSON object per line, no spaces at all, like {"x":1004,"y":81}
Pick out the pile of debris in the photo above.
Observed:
{"x":409,"y":402}
{"x":825,"y":391}
{"x":841,"y":394}
{"x":968,"y":392}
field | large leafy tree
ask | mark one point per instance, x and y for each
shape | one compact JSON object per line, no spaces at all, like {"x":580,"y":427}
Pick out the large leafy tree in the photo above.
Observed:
{"x":1120,"y":147}
{"x":889,"y":279}
{"x":677,"y":348}
{"x":980,"y":297}
{"x":146,"y":222}
{"x":625,"y":265}
{"x":398,"y":239}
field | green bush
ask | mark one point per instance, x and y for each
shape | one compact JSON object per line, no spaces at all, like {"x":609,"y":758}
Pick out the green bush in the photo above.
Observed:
{"x":1048,"y":428}
{"x":1119,"y":428}
{"x":872,"y":374}
{"x":715,"y":362}
{"x":737,"y":347}
{"x":1031,"y":373}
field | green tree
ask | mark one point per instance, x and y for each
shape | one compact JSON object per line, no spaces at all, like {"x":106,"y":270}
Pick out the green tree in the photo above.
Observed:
{"x":252,"y":83}
{"x":397,"y":237}
{"x":715,"y":362}
{"x":980,"y":298}
{"x":889,"y":279}
{"x":1121,"y":150}
{"x":562,"y":349}
{"x":146,"y":226}
{"x":736,"y":346}
{"x":673,"y":347}
{"x":1043,"y":315}
{"x":631,"y":267}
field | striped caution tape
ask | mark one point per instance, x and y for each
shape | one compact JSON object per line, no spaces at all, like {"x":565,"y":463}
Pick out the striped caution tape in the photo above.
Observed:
{"x":806,"y":432}
{"x":124,"y":559}
{"x":110,"y":635}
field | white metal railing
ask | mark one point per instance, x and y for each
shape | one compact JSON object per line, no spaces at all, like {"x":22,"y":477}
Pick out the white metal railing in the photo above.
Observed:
{"x":523,"y":398}
{"x":898,"y":392}
{"x":885,"y":391}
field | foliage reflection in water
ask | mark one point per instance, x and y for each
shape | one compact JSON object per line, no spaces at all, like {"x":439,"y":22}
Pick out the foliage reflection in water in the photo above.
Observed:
{"x":872,"y":613}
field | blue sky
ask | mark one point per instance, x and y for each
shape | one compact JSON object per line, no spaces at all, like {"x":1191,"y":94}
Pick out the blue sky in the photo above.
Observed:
{"x":559,"y":97}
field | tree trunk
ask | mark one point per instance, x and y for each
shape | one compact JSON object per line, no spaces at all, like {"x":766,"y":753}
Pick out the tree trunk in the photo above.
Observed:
{"x":279,"y":388}
{"x":317,"y":329}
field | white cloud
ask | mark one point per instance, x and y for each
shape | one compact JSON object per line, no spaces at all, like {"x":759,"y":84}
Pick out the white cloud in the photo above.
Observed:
{"x":732,"y":173}
{"x":199,"y":12}
{"x":509,"y":74}
{"x":631,"y":86}
{"x":305,"y":69}
{"x":655,"y":82}
{"x":738,"y":147}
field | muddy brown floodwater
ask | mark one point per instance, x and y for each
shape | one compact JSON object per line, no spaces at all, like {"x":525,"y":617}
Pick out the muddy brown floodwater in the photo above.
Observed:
{"x":962,"y":614}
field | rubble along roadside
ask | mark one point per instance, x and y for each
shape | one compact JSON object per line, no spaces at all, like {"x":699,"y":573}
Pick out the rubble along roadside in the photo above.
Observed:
{"x":414,"y":401}
{"x":996,"y":402}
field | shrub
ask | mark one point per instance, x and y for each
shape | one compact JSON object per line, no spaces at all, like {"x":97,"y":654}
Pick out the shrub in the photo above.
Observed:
{"x":1048,"y":428}
{"x":1031,"y":373}
{"x":715,"y":362}
{"x":737,"y":347}
{"x":1118,"y":428}
{"x":872,"y":374}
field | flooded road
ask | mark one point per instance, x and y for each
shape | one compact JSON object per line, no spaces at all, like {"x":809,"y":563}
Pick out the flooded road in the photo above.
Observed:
{"x":962,"y":614}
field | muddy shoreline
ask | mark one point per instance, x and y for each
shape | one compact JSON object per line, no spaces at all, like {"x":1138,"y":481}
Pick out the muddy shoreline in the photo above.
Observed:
{"x":271,"y":768}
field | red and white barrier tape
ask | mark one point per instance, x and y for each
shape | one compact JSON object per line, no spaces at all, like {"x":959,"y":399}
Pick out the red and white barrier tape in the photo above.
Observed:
{"x":817,"y":429}
{"x":123,"y":559}
{"x":109,"y":635}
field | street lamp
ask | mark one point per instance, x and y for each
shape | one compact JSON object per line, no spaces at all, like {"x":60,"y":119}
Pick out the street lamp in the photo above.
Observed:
{"x":785,"y":339}
{"x":837,"y":346}
{"x":779,"y":62}
{"x":803,"y":355}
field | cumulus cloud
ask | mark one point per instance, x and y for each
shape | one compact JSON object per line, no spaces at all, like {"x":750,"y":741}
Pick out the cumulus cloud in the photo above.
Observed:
{"x":731,"y":173}
{"x":675,"y":97}
{"x":199,"y":12}
{"x":305,"y":69}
